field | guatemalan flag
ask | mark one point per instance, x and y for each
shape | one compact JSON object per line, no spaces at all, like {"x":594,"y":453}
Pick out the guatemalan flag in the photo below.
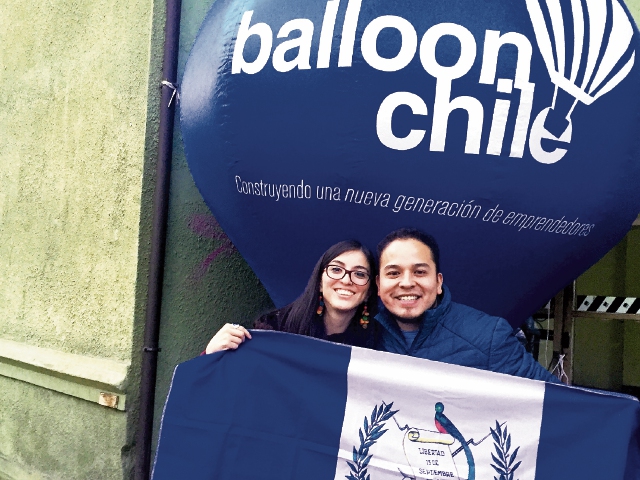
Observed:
{"x":286,"y":407}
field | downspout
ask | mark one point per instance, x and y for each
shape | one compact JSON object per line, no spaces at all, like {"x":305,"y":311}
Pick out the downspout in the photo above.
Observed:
{"x":168,"y":102}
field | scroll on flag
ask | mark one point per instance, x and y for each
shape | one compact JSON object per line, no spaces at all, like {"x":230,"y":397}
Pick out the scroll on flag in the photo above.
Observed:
{"x":286,"y":407}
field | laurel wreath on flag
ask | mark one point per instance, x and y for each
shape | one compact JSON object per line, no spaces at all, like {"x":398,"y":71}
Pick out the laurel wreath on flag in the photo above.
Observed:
{"x":504,"y":461}
{"x":373,"y":430}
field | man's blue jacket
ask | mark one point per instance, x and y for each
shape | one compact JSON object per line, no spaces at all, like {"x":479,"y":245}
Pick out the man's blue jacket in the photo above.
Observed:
{"x":461,"y":335}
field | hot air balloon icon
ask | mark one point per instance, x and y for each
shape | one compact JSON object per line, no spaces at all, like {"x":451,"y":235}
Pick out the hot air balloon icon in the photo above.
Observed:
{"x":586,"y":57}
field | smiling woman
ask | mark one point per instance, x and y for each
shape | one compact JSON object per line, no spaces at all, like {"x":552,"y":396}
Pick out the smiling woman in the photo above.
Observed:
{"x":336,"y":304}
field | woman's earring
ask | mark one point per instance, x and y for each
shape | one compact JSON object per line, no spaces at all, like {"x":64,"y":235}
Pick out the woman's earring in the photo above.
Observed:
{"x":320,"y":305}
{"x":364,"y":321}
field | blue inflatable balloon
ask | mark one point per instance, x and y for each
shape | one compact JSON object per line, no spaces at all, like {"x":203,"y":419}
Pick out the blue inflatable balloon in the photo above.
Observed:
{"x":508,"y":130}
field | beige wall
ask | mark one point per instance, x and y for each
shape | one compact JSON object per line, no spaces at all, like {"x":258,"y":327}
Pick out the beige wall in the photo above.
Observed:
{"x":78,"y":79}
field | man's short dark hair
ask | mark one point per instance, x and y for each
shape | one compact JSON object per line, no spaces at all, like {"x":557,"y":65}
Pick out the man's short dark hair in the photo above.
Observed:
{"x":412,"y":234}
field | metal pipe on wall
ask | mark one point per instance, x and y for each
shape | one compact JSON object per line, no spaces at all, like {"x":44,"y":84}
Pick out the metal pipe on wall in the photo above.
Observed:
{"x":144,"y":435}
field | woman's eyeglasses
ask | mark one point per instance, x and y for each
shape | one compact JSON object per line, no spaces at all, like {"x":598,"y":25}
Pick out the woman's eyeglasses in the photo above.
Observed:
{"x":336,"y":272}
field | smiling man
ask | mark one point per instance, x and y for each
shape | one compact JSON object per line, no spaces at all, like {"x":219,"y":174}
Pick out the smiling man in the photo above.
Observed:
{"x":419,"y":318}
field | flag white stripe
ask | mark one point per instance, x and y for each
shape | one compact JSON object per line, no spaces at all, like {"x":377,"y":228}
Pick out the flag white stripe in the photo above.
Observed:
{"x":472,"y":399}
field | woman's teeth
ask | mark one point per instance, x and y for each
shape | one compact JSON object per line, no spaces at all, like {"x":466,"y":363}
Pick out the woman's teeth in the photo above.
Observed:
{"x":344,"y":292}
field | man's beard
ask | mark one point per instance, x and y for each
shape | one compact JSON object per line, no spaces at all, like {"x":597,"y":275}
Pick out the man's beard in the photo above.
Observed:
{"x":418,"y":319}
{"x":412,"y":320}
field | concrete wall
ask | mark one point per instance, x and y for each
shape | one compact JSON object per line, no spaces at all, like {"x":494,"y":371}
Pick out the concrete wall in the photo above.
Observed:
{"x":77,"y":115}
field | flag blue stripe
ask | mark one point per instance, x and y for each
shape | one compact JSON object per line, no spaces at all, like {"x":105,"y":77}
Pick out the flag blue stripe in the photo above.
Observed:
{"x":588,"y":434}
{"x":222,"y":420}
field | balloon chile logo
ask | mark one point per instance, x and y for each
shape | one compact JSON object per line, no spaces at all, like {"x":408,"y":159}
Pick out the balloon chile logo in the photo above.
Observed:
{"x":598,"y":33}
{"x":428,"y":453}
{"x":598,"y":64}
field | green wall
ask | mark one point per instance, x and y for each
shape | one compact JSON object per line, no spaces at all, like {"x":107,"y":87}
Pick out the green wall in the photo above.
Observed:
{"x":607,"y":351}
{"x":73,"y":115}
{"x":44,"y":434}
{"x":207,"y":283}
{"x":78,"y":119}
{"x":631,"y":360}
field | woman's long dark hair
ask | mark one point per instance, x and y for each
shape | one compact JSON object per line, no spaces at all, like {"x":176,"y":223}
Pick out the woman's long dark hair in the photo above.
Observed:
{"x":302,"y":312}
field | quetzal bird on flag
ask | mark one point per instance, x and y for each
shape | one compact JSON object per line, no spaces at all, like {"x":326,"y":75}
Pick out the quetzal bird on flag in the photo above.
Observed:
{"x":444,"y":425}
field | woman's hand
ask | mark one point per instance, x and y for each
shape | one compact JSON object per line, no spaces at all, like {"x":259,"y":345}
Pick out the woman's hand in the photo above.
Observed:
{"x":229,"y":337}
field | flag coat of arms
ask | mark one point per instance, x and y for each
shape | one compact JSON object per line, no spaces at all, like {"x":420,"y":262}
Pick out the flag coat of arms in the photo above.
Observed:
{"x":286,"y":407}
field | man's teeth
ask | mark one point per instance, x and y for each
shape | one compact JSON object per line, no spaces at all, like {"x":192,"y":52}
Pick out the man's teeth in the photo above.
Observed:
{"x":344,"y":292}
{"x":408,"y":298}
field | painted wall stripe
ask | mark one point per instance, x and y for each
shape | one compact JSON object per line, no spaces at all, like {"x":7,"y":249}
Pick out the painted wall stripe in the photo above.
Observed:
{"x":602,"y":304}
